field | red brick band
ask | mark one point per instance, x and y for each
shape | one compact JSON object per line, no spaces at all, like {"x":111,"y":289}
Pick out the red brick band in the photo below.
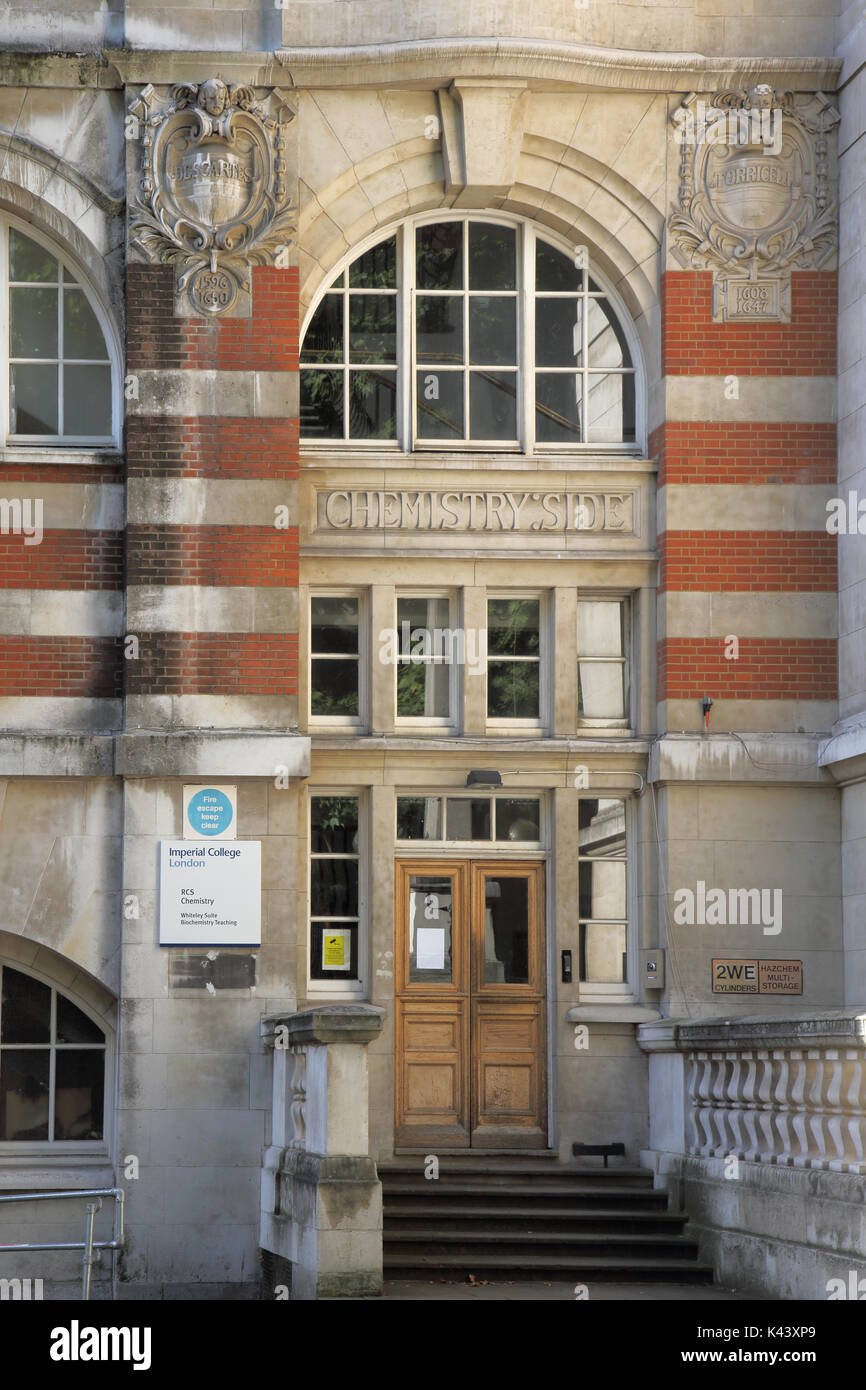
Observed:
{"x":693,"y":345}
{"x":249,"y":555}
{"x":766,"y":669}
{"x":63,"y":560}
{"x":212,"y":447}
{"x":210,"y":663}
{"x":747,"y":561}
{"x":86,"y":667}
{"x":744,"y":453}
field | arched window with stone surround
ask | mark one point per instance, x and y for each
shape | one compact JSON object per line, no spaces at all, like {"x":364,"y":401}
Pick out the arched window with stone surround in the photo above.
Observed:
{"x":54,"y":1060}
{"x":61,"y":373}
{"x":468,"y":332}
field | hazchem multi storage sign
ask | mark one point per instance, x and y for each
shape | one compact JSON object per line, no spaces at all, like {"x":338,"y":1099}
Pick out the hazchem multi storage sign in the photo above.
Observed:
{"x":210,"y":894}
{"x":757,"y":976}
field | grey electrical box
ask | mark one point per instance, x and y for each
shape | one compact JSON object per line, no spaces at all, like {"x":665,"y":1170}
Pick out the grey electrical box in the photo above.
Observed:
{"x":653,"y":967}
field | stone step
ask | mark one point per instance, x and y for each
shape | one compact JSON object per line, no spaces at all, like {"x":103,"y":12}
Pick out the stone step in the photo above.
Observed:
{"x":625,"y":1269}
{"x":400,"y":1215}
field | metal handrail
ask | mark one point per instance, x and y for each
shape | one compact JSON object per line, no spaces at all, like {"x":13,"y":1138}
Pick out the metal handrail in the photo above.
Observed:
{"x":88,"y":1245}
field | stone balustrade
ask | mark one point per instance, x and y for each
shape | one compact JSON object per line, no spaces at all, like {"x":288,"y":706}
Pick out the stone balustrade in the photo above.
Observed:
{"x":787,"y":1090}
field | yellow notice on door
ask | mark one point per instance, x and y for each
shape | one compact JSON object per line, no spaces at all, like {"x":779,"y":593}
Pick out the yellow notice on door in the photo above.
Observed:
{"x":334,"y":951}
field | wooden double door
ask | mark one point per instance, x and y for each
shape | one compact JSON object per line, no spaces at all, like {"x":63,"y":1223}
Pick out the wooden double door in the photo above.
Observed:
{"x":470,"y":1004}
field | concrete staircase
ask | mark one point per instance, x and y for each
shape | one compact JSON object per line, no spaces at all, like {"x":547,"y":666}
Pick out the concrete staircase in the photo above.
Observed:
{"x":507,"y":1218}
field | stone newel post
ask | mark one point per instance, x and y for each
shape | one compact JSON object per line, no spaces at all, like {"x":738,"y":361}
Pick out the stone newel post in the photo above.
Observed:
{"x":321,"y":1195}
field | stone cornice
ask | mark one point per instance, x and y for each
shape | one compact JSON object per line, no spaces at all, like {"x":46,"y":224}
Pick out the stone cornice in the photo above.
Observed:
{"x":427,"y":63}
{"x":541,"y":62}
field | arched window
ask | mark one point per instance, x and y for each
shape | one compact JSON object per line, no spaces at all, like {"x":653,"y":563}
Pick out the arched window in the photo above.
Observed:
{"x":468,"y":332}
{"x":59,"y":377}
{"x":53,"y":1060}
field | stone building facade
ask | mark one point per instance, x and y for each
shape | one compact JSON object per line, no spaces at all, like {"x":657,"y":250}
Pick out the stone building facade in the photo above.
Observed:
{"x":425,"y":426}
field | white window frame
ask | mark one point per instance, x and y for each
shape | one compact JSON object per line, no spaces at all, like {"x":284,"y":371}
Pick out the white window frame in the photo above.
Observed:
{"x":475,"y":849}
{"x":336,"y":722}
{"x":16,"y":1152}
{"x":418,"y":723}
{"x":613,"y":992}
{"x":48,"y":441}
{"x":606,"y":596}
{"x":504,"y":727}
{"x":342,"y":988}
{"x":527,"y":233}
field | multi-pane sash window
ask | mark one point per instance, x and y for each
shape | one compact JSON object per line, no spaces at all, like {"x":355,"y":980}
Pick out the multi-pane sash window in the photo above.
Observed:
{"x":59,"y":369}
{"x":470,"y":819}
{"x":334,"y":891}
{"x":335,"y":657}
{"x":602,"y":676}
{"x":52,"y":1065}
{"x":468,"y":331}
{"x":602,"y":911}
{"x":427,"y":648}
{"x":514,"y":659}
{"x":349,"y":380}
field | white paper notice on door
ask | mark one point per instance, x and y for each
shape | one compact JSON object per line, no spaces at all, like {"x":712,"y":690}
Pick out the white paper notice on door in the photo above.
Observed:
{"x":430,"y":948}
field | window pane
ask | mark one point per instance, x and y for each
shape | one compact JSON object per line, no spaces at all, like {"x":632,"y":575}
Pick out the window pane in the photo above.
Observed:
{"x":439,"y":321}
{"x":468,"y":818}
{"x":603,"y":953}
{"x":323,"y":341}
{"x":601,"y":827}
{"x":373,"y":405}
{"x":492,"y":331}
{"x":24,"y":1079}
{"x":558,"y":401}
{"x":322,"y":404}
{"x":599,"y":628}
{"x":25,"y":1012}
{"x":513,"y":626}
{"x":513,"y":690}
{"x":334,"y":624}
{"x":439,"y":256}
{"x":493,"y":405}
{"x":602,"y":888}
{"x":429,"y":929}
{"x":86,"y":400}
{"x":440,"y":405}
{"x":34,"y":399}
{"x":333,"y":888}
{"x":422,"y":617}
{"x":334,"y":687}
{"x":78,"y":1098}
{"x":506,"y":939}
{"x":333,"y":950}
{"x":518,"y":818}
{"x":82,"y":335}
{"x":492,"y":257}
{"x":558,"y":333}
{"x":334,"y":824}
{"x":33,"y":323}
{"x":372,"y":328}
{"x":607,"y":344}
{"x":30,"y":261}
{"x":554,"y":270}
{"x":600,"y":690}
{"x":423,"y":691}
{"x":376,"y":269}
{"x":611,"y":407}
{"x":73,"y":1026}
{"x":419,"y":818}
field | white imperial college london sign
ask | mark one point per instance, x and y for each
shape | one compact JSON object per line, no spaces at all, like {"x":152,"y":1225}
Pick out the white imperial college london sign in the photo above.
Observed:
{"x":210,"y":894}
{"x":463,"y":510}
